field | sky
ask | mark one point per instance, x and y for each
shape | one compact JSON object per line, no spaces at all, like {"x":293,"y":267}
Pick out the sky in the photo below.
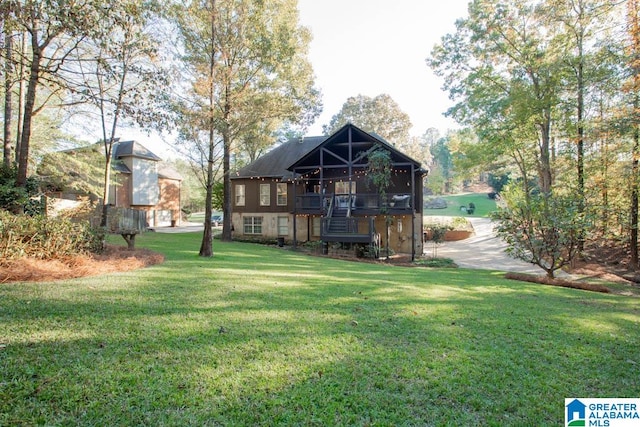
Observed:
{"x":369,"y":47}
{"x":373,"y":47}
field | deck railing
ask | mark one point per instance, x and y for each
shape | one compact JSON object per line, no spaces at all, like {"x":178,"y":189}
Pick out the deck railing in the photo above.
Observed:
{"x":371,"y":202}
{"x":126,"y":220}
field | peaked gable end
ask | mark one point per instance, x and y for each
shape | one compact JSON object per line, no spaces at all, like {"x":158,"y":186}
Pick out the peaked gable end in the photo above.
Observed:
{"x":349,"y":145}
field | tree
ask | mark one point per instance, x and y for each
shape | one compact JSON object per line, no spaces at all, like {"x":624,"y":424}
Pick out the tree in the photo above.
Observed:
{"x":633,"y":89}
{"x":541,"y":229}
{"x":248,"y":64}
{"x":118,"y":76}
{"x":54,"y":31}
{"x":380,"y":114}
{"x":503,"y":73}
{"x":8,"y":85}
{"x":379,"y":169}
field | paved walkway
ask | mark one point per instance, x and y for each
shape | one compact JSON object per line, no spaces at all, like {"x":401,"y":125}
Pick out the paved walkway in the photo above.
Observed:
{"x":185,"y":227}
{"x":482,"y":250}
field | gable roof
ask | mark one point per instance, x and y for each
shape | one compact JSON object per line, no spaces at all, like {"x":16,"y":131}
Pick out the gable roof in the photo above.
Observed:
{"x":276,"y":162}
{"x":168,"y":172}
{"x":281,"y":161}
{"x":351,"y":142}
{"x":133,"y":149}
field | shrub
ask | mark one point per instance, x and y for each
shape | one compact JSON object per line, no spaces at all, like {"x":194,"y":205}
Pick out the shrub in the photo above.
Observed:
{"x":46,"y":238}
{"x":14,"y":198}
{"x":543,"y":229}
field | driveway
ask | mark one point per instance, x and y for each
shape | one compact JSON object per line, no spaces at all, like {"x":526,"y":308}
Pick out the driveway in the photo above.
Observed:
{"x":483,"y":250}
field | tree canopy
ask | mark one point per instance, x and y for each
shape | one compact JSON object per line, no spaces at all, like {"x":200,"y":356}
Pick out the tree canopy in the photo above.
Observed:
{"x":380,"y":114}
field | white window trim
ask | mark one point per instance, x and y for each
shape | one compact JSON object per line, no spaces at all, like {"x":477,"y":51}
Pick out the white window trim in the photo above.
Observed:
{"x":240,"y":195}
{"x":252,"y":225}
{"x":266,"y":202}
{"x":286,"y":219}
{"x":279,"y":195}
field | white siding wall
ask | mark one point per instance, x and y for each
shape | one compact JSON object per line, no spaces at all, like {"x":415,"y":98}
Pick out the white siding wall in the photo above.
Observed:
{"x":145,"y":182}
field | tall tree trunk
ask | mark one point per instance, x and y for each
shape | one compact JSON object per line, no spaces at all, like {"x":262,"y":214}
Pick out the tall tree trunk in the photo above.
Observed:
{"x":34,"y":76}
{"x":544,"y":160}
{"x":206,"y":246}
{"x":580,"y":147}
{"x":21,"y":95}
{"x":633,"y":232}
{"x":634,"y":59}
{"x":8,"y":102}
{"x":226,"y":169}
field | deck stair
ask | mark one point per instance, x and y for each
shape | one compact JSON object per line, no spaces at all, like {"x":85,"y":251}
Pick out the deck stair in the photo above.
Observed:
{"x":338,"y":222}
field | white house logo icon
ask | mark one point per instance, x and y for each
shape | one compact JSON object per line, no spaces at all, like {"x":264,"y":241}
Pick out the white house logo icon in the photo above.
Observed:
{"x":576,"y":413}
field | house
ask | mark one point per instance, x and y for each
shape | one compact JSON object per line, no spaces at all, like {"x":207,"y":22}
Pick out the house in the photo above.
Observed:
{"x":139,"y":179}
{"x":318,"y":189}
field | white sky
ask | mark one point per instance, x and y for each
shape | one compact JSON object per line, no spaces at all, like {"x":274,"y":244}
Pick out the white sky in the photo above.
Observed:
{"x":371,"y":47}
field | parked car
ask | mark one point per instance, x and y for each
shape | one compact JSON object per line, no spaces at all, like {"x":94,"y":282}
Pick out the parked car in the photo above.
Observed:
{"x":216,"y":220}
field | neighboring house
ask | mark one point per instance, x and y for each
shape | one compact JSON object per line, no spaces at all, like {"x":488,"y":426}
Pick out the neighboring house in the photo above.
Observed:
{"x":140,"y":181}
{"x":317,"y":188}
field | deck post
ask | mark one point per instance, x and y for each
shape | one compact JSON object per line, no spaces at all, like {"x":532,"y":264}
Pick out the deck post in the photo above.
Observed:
{"x":295,"y":212}
{"x":413,"y":213}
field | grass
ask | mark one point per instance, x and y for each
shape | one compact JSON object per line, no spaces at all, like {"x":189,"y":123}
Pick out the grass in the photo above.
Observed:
{"x":484,"y":205}
{"x":264,"y":336}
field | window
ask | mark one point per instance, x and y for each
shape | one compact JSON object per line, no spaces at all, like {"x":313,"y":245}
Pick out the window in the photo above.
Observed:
{"x":265,"y":194}
{"x":315,"y":224}
{"x":252,"y":224}
{"x":282,"y":194}
{"x":343,"y":187}
{"x":239,"y":194}
{"x":283,"y":226}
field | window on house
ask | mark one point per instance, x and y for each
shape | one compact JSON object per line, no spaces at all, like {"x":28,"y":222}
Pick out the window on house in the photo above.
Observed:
{"x":283,"y":226}
{"x":265,"y":194}
{"x":252,"y":224}
{"x":315,"y":225}
{"x":343,"y":187}
{"x":240,"y":194}
{"x":282,"y":194}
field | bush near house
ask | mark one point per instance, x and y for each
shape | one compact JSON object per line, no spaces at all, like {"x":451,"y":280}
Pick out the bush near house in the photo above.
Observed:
{"x":45,"y":238}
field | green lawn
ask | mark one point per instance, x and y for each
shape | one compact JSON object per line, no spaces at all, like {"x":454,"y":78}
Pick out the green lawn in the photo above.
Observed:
{"x":264,"y":336}
{"x":484,"y":205}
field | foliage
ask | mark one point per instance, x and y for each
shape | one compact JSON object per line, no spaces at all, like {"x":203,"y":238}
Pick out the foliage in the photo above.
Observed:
{"x":498,"y":182}
{"x":80,"y":170}
{"x":304,"y":340}
{"x":379,"y":168}
{"x":436,"y":233}
{"x":542,"y":229}
{"x":46,"y":238}
{"x":380,"y":114}
{"x":53,"y":32}
{"x":247,"y":74}
{"x":14,"y":198}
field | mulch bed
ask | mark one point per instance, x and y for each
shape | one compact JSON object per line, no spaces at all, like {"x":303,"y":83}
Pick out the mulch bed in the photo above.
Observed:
{"x":113,"y":259}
